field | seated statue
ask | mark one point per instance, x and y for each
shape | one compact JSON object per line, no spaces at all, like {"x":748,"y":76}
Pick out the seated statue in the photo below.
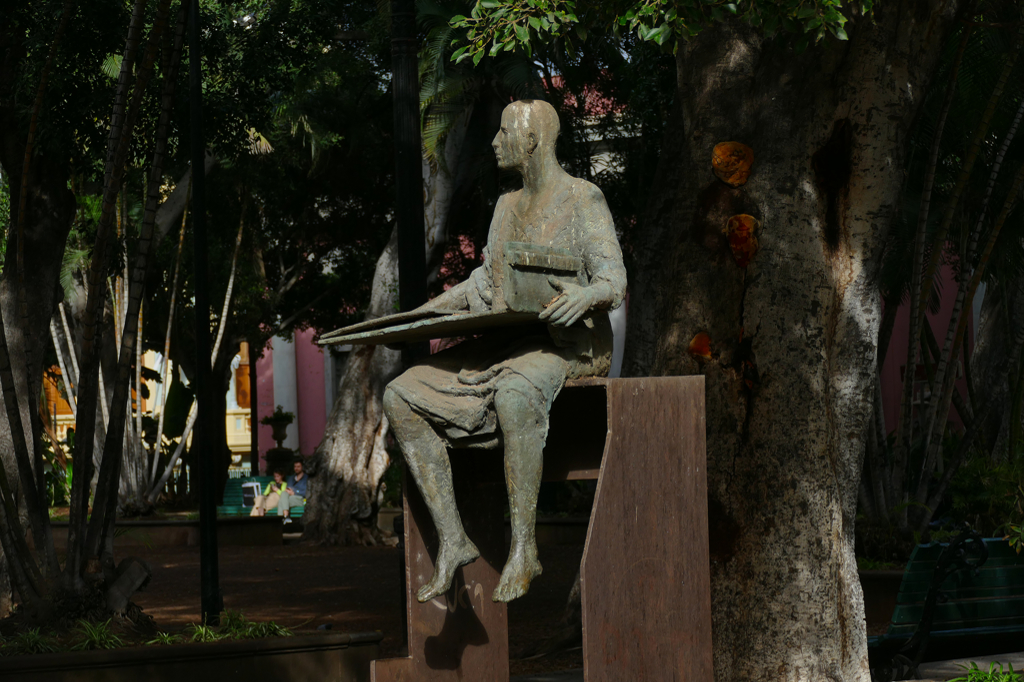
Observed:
{"x":496,"y":390}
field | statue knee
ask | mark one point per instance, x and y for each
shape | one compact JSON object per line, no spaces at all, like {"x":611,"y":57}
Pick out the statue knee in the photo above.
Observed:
{"x":393,"y":404}
{"x":520,"y":401}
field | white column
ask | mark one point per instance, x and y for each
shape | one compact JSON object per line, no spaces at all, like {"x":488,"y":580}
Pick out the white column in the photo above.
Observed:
{"x":329,"y":387}
{"x":285,"y":393}
{"x":618,"y":319}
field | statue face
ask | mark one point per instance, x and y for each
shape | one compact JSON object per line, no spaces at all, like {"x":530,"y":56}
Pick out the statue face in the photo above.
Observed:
{"x":514,"y":141}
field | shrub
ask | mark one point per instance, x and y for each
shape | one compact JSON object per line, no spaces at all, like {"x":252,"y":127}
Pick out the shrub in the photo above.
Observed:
{"x":94,"y":636}
{"x":993,"y":674}
{"x":29,"y":642}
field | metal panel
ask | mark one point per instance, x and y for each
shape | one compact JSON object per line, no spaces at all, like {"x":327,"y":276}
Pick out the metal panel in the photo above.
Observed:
{"x":645,"y":575}
{"x":463,"y":636}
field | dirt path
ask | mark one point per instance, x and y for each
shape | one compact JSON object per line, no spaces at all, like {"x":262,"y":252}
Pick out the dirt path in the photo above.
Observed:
{"x":352,"y":588}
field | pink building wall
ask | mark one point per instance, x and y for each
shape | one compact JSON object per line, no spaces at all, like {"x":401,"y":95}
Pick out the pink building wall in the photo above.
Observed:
{"x":311,"y":415}
{"x":309,"y":375}
{"x":264,"y":404}
{"x":896,"y":357}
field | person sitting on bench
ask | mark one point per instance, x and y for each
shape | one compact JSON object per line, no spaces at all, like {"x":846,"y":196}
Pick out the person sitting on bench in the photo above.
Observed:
{"x":275,"y":494}
{"x":297,"y":486}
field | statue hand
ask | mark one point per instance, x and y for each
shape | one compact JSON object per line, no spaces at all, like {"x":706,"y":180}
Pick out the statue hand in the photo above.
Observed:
{"x":570,"y":304}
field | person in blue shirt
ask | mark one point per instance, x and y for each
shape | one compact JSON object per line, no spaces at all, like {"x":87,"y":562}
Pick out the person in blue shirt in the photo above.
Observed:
{"x":295,"y":494}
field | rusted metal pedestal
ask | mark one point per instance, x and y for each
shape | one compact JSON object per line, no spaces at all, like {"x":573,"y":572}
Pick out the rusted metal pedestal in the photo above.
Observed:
{"x":645,"y":582}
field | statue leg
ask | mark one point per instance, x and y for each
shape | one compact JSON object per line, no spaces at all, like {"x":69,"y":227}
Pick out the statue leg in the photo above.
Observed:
{"x":427,"y":457}
{"x":523,"y":418}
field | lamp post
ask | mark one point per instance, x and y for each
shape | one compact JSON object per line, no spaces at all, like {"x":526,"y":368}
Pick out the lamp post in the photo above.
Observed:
{"x":210,"y":595}
{"x":412,"y":266}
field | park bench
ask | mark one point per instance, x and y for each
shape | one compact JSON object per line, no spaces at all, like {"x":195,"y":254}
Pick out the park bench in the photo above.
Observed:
{"x":957,"y":599}
{"x":235,"y":504}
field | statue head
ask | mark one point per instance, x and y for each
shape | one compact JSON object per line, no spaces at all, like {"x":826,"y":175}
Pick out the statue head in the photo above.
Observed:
{"x":529,"y":128}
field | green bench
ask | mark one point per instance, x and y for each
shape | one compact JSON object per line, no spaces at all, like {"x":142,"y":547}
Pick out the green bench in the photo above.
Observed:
{"x":978,"y":607}
{"x":233,"y":501}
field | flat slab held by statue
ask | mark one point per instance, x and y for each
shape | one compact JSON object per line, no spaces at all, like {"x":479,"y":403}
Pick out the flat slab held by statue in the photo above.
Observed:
{"x":539,"y":305}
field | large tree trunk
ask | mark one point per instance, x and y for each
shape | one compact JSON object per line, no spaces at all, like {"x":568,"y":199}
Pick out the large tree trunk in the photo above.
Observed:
{"x":794,"y":334}
{"x":348,"y":464}
{"x":50,"y":208}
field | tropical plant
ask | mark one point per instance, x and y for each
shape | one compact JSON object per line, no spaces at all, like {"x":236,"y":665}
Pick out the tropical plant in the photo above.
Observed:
{"x":964,"y":164}
{"x":95,"y":635}
{"x":202,"y":633}
{"x":30,"y":641}
{"x":994,"y":673}
{"x":164,"y":639}
{"x":278,"y":416}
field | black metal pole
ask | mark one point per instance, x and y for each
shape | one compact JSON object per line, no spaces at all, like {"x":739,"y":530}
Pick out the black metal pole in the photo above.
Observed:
{"x":412,"y":265}
{"x":210,"y":596}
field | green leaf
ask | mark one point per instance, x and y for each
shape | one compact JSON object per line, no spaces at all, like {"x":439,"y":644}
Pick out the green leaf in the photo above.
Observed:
{"x":839,"y":32}
{"x":535,"y":23}
{"x":111,"y":66}
{"x":801,"y":44}
{"x":496,"y":48}
{"x":770,"y":24}
{"x":522,"y":33}
{"x":459,"y":52}
{"x":805,"y":11}
{"x":489,"y":4}
{"x":477,"y":57}
{"x":581,"y":31}
{"x":731,"y":7}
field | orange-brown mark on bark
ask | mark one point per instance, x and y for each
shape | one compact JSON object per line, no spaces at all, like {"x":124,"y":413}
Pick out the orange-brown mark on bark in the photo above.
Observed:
{"x":700,"y":346}
{"x":731,"y":162}
{"x":740,"y":231}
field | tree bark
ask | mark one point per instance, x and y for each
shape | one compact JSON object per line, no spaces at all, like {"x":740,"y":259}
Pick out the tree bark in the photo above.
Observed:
{"x":793,"y":335}
{"x":348,"y":464}
{"x":50,"y":208}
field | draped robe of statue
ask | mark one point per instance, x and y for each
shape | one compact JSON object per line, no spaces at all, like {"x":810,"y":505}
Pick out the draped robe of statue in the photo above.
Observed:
{"x":454,"y":389}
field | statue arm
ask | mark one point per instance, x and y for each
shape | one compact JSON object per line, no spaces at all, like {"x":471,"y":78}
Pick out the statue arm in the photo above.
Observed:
{"x":602,"y":256}
{"x":602,"y":260}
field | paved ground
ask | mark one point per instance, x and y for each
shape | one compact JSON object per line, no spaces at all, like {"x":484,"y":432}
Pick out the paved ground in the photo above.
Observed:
{"x":350,"y":588}
{"x":939,"y":671}
{"x":358,"y":589}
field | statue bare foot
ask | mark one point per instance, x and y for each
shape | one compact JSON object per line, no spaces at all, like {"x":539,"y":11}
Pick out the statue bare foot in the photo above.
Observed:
{"x":522,"y":567}
{"x":449,"y":558}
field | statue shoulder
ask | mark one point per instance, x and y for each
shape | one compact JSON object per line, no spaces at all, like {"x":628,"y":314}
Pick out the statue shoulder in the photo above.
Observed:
{"x":588,"y":191}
